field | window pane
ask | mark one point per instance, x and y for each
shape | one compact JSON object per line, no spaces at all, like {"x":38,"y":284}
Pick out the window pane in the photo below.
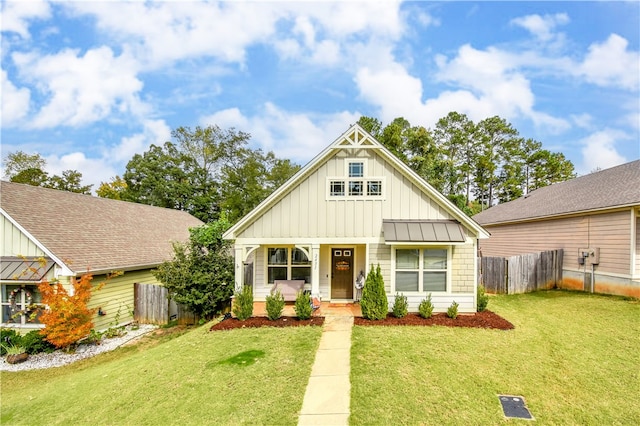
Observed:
{"x":299,"y":258}
{"x":277,"y":256}
{"x":301,"y":273}
{"x":406,"y":281}
{"x":374,"y":187}
{"x":435,"y":259}
{"x":336,"y":188}
{"x":356,"y":169}
{"x":434,"y":281}
{"x":277,"y":273}
{"x":407,"y":259}
{"x":356,"y":187}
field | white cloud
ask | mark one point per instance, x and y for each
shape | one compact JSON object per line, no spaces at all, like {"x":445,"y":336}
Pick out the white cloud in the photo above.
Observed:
{"x":15,"y":102}
{"x":81,"y":89}
{"x":611,"y":64}
{"x":154,"y":132}
{"x":94,"y":170}
{"x":16,"y":14}
{"x":294,"y":136}
{"x":542,"y":26}
{"x":599,"y":150}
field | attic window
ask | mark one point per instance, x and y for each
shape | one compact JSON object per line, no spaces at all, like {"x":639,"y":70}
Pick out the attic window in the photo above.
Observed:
{"x":356,"y":184}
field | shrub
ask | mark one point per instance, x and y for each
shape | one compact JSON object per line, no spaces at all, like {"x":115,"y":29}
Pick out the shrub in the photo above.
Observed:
{"x":8,"y":338}
{"x":374,"y":302}
{"x":275,"y":305}
{"x":426,"y":307}
{"x":303,"y":306}
{"x":483,"y":298}
{"x":400,"y":306}
{"x":452,"y":311}
{"x":35,"y":343}
{"x":243,"y":306}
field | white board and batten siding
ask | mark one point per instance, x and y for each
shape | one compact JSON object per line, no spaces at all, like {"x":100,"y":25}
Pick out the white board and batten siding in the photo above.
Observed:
{"x":15,"y":242}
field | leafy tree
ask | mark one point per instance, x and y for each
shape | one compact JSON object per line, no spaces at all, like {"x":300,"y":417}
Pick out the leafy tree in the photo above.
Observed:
{"x":67,"y":319}
{"x":201,"y":274}
{"x":31,"y":176}
{"x":18,"y":162}
{"x":372,"y":125}
{"x":69,"y":181}
{"x":113,"y":189}
{"x":395,"y":136}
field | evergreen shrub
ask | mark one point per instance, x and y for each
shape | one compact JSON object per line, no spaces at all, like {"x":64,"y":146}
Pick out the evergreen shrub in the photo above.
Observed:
{"x":483,"y":298}
{"x":426,"y":307}
{"x":374,"y":303}
{"x":400,"y":306}
{"x":35,"y":343}
{"x":452,"y":311}
{"x":243,"y":304}
{"x":303,"y":306}
{"x":275,"y":305}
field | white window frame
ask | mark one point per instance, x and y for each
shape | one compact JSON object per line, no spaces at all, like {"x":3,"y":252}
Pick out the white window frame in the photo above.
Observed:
{"x":289,"y":265}
{"x":365,"y":180}
{"x":421,"y":269}
{"x":21,"y":304}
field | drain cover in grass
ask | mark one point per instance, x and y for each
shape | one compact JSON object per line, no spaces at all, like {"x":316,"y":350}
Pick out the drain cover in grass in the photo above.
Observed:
{"x":514,"y":406}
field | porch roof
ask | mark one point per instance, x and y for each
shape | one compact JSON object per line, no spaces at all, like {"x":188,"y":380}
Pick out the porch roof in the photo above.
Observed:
{"x":422,"y":231}
{"x":27,"y":269}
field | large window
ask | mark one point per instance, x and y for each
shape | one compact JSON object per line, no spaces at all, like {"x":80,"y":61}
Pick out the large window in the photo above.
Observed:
{"x":285,"y":263}
{"x":18,"y":303}
{"x":421,"y":270}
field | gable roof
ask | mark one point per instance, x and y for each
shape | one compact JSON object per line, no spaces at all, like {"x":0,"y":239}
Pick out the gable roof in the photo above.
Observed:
{"x":607,"y":189}
{"x":83,"y":232}
{"x":354,"y":138}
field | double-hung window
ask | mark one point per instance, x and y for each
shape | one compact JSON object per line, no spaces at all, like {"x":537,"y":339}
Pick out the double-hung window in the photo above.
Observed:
{"x":421,"y":270}
{"x":286,"y":263}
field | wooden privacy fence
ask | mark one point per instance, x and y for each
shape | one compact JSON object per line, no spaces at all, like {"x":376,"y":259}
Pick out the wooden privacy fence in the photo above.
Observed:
{"x":521,"y":274}
{"x":153,"y":306}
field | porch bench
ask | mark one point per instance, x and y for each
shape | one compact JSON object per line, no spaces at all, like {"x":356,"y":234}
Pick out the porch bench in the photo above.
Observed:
{"x":288,"y":288}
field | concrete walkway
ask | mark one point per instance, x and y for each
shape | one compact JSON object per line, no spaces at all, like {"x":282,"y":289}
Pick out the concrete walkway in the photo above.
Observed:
{"x":328,"y":395}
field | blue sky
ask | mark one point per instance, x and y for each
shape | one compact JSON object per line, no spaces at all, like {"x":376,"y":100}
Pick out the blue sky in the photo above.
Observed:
{"x":89,"y":84}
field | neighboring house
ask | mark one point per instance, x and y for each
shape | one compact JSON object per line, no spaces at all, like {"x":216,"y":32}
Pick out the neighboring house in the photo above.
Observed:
{"x":62,"y":235}
{"x":353,"y":206}
{"x":595,"y":219}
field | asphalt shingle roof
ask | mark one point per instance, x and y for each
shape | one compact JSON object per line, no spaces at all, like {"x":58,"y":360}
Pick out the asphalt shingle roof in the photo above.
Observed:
{"x":99,"y":234}
{"x":609,"y":188}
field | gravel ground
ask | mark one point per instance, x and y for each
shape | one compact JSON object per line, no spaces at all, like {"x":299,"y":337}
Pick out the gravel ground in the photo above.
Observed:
{"x":60,"y":358}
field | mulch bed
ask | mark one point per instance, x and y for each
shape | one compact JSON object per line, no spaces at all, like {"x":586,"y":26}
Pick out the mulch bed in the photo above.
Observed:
{"x":256,"y":322}
{"x":485,"y":319}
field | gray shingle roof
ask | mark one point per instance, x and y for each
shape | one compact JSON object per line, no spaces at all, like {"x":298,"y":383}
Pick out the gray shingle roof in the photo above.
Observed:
{"x":606,"y":189}
{"x":96,"y":233}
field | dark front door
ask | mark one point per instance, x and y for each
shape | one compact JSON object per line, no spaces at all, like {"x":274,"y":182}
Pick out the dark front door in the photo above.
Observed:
{"x":341,"y":273}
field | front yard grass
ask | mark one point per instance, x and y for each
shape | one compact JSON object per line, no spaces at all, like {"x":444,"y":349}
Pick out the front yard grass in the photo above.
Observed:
{"x":249,"y":376}
{"x":574,"y":357}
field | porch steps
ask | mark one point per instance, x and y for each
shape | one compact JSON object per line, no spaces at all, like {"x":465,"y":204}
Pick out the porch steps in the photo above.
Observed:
{"x":327,"y":398}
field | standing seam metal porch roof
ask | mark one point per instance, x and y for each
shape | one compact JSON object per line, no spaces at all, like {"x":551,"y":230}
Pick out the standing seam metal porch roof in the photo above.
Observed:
{"x":423,"y":231}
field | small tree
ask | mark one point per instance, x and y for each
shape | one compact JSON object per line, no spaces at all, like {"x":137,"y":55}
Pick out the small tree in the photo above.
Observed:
{"x":67,"y":319}
{"x":400,"y":306}
{"x":243,"y":305}
{"x":483,"y":298}
{"x":374,"y":303}
{"x":303,"y":306}
{"x":275,"y":305}
{"x":201,"y":275}
{"x":452,"y":311}
{"x":426,"y":307}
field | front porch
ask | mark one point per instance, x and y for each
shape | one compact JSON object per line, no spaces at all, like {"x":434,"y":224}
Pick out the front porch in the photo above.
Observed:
{"x":326,"y":309}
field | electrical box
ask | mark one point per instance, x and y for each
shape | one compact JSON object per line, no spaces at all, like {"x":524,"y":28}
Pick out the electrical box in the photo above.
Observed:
{"x":589,"y":256}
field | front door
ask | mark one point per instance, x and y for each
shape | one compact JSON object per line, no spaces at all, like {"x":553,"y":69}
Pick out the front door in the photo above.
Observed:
{"x":341,"y":273}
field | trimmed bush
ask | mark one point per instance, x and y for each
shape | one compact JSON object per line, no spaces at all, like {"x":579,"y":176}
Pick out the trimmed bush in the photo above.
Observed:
{"x":243,"y":304}
{"x":35,"y":343}
{"x":452,"y":311}
{"x":303,"y":306}
{"x":483,"y":298}
{"x":275,"y":305}
{"x":374,"y":302}
{"x":400,"y":306}
{"x":426,"y":307}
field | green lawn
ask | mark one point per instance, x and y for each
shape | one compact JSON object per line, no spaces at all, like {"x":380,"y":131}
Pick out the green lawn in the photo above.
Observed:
{"x":251,"y":376}
{"x":574,"y":357}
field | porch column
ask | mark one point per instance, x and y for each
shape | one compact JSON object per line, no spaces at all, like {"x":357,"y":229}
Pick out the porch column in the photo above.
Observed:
{"x":315,"y":269}
{"x":239,"y":262}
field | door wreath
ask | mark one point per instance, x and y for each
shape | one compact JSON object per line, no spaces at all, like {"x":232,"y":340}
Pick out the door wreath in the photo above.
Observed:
{"x":14,"y":305}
